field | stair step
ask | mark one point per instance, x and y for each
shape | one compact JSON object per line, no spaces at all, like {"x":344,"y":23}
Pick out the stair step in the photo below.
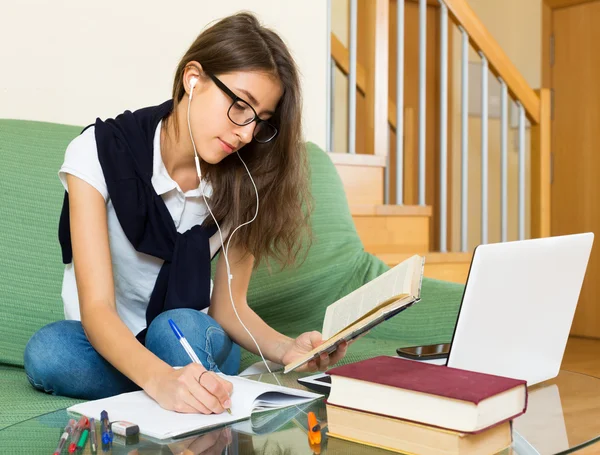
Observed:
{"x":362,"y":176}
{"x":441,"y":266}
{"x":396,"y":210}
{"x":392,"y":229}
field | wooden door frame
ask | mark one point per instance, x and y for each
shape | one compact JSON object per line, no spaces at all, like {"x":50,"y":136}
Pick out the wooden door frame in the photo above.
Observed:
{"x":553,"y":4}
{"x":548,"y":6}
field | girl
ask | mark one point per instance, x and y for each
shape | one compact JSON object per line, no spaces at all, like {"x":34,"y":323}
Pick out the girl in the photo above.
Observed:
{"x":152,"y":196}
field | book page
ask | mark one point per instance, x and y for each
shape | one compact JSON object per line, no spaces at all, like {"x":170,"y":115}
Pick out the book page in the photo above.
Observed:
{"x":159,"y":423}
{"x":393,"y":283}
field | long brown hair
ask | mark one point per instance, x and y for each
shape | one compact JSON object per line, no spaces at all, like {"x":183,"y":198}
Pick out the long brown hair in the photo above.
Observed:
{"x":279,"y":168}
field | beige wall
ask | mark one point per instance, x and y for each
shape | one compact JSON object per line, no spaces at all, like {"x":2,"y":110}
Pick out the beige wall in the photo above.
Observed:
{"x":516,"y":26}
{"x":72,"y":61}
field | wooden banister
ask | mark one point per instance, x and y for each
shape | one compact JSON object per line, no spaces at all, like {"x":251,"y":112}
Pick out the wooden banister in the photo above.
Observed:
{"x":341,"y":56}
{"x":500,"y":64}
{"x":541,"y":170}
{"x":481,"y":40}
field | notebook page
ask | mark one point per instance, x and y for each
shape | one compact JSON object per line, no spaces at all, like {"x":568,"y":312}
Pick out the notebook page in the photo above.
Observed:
{"x":159,"y":423}
{"x":348,"y":309}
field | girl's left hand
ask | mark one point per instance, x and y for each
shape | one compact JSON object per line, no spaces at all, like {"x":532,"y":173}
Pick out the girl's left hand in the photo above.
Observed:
{"x":306,"y":343}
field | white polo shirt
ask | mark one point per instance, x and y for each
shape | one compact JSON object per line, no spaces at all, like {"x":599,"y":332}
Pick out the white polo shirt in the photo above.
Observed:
{"x":134,"y":273}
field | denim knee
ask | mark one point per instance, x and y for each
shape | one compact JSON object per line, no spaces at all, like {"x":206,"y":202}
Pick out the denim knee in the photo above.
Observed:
{"x":59,"y":359}
{"x":211,"y":344}
{"x":42,"y":356}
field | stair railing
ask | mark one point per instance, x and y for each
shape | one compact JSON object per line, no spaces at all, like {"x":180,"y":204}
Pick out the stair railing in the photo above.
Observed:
{"x":532,"y":105}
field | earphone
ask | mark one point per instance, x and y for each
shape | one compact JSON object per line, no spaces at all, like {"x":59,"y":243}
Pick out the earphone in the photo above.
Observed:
{"x":225,"y":249}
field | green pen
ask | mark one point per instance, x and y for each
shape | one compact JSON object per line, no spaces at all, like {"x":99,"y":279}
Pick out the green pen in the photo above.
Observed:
{"x":83,"y":439}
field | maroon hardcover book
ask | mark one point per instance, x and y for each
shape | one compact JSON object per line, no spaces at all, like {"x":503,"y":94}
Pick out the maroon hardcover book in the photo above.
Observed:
{"x":445,"y":382}
{"x":438,"y":380}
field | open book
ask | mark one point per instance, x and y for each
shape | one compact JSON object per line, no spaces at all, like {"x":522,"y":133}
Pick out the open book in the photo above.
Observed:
{"x":368,"y":306}
{"x":137,"y":407}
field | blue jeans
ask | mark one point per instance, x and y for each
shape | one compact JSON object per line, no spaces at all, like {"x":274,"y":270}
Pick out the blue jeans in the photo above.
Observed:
{"x":59,"y":359}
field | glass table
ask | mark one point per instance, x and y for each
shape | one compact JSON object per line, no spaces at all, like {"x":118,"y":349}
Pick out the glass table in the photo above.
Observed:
{"x":563,"y":416}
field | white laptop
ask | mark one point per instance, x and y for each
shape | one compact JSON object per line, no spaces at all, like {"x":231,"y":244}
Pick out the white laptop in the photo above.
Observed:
{"x":518,"y":307}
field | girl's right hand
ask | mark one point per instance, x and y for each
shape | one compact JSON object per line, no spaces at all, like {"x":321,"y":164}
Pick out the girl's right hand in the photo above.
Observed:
{"x":179,"y":390}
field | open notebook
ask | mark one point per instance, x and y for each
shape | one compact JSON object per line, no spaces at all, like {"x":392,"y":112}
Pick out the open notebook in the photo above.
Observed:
{"x":371,"y":304}
{"x":137,"y":407}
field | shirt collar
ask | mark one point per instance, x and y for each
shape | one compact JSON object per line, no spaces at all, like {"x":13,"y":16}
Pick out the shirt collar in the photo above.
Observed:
{"x":162,"y":181}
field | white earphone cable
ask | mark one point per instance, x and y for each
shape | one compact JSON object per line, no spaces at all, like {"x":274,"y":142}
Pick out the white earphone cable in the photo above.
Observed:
{"x":226,"y":248}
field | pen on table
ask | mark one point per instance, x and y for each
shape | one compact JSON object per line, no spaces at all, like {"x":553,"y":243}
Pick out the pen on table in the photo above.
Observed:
{"x":186,"y":346}
{"x":63,"y":438}
{"x":93,"y":434}
{"x":107,"y":435}
{"x":83,"y":439}
{"x":81,"y":425}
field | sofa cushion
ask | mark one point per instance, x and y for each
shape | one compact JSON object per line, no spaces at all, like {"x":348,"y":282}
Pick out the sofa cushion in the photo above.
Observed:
{"x":20,"y":401}
{"x":30,"y":264}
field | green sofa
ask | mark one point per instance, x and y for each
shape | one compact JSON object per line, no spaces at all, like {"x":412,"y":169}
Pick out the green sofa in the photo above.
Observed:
{"x":292,"y":301}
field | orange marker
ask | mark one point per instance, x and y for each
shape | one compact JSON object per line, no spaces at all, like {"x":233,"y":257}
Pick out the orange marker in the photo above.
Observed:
{"x":314,"y":429}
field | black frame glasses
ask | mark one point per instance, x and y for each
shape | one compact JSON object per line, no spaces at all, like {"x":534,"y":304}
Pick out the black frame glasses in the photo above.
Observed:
{"x":263,"y":131}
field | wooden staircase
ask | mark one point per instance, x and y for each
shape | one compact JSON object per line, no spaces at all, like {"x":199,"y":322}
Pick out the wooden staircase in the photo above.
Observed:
{"x":393,"y":232}
{"x":395,"y":229}
{"x":428,"y":173}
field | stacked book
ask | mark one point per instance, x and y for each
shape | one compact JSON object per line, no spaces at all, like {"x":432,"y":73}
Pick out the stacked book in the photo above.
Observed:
{"x":423,"y":409}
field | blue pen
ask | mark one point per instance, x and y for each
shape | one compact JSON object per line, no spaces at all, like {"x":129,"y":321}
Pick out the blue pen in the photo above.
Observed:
{"x":184,"y":342}
{"x":107,"y":435}
{"x":186,"y":346}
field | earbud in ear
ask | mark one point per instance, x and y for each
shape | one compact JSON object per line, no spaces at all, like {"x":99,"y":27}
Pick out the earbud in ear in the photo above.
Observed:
{"x":193,"y":82}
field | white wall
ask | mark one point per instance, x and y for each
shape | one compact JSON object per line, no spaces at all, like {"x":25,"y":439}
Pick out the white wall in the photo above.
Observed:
{"x":74,"y":60}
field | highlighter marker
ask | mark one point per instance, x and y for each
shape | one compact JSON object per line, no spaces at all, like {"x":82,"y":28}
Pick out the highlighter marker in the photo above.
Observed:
{"x":314,"y":429}
{"x":83,"y":439}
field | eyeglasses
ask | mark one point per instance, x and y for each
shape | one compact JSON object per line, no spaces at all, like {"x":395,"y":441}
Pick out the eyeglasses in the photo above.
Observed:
{"x":242,"y":114}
